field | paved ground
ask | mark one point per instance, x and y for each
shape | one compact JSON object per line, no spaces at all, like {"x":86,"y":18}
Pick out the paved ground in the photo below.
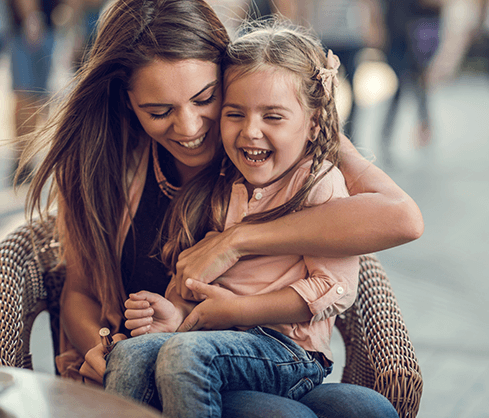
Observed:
{"x":441,"y":280}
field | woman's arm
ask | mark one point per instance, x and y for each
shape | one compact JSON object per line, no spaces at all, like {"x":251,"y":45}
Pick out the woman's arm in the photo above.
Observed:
{"x":378,"y":215}
{"x":80,"y":313}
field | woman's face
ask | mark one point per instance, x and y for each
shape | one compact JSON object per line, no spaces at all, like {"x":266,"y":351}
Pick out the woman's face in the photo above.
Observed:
{"x":178,"y":104}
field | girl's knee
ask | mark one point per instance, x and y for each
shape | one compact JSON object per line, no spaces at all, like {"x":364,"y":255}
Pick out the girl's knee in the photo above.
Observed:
{"x":185,"y":351}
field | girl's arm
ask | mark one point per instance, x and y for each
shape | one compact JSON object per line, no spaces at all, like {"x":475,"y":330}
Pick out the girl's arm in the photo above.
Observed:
{"x":222,"y":309}
{"x":378,"y":215}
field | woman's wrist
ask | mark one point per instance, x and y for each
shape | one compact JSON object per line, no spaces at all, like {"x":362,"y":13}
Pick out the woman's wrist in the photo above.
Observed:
{"x":239,"y":240}
{"x":267,"y":238}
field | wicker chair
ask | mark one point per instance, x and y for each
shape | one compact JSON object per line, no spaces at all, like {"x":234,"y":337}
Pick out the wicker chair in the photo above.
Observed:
{"x":379,"y":353}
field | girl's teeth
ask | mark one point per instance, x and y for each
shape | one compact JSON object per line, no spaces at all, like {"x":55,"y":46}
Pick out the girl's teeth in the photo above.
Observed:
{"x":256,"y":152}
{"x":193,"y":144}
{"x":249,"y":153}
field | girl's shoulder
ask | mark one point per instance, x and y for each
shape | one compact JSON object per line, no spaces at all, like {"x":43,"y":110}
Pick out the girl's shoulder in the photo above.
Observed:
{"x":331,"y":185}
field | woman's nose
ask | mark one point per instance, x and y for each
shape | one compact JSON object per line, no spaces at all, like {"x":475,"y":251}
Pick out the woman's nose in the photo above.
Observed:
{"x":187,"y":122}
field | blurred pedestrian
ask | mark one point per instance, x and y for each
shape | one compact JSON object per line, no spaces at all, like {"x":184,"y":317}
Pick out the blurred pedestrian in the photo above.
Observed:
{"x":86,"y":15}
{"x":413,"y":36}
{"x":4,"y":25}
{"x":464,"y":26}
{"x":263,"y":9}
{"x":345,"y":26}
{"x":32,"y":45}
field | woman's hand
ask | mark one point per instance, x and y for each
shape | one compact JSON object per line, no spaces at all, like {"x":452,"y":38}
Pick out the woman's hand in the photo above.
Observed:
{"x":205,"y":261}
{"x":94,"y":366}
{"x":219,"y":310}
{"x":222,"y":309}
{"x":148,"y":312}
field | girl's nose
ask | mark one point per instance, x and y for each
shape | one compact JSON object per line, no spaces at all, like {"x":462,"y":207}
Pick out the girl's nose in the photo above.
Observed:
{"x":187,"y":122}
{"x":251,"y":129}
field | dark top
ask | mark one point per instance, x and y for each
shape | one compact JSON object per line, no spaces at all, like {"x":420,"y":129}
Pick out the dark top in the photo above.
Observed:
{"x":140,"y":267}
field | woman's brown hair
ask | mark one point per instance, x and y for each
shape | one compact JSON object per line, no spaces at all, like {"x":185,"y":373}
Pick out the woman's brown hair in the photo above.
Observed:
{"x":90,"y":140}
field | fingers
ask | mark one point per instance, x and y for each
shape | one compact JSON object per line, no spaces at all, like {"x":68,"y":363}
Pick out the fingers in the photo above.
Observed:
{"x":119,"y":337}
{"x":87,"y":371}
{"x":144,"y":295}
{"x":140,"y":331}
{"x":134,"y":303}
{"x":191,"y":323}
{"x":135,"y":313}
{"x":200,"y":290}
{"x":134,"y":324}
{"x":94,"y":366}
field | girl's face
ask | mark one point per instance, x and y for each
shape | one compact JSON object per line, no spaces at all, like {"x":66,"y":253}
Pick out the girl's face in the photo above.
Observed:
{"x":178,"y":104}
{"x":264,"y":128}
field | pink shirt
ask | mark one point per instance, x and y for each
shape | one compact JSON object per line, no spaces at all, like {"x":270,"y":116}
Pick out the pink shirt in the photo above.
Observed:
{"x":328,"y":285}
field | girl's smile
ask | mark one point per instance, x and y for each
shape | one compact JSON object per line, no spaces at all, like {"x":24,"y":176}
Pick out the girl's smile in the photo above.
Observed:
{"x":264,"y":127}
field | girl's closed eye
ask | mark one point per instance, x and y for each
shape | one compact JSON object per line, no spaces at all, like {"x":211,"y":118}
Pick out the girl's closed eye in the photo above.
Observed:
{"x":274,"y":117}
{"x":232,"y":114}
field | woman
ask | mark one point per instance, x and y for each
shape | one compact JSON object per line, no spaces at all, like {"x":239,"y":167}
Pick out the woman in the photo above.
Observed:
{"x":141,"y":120}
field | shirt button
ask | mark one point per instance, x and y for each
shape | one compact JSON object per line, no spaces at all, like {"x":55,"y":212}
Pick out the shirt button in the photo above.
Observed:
{"x":258,"y":196}
{"x":340,"y":290}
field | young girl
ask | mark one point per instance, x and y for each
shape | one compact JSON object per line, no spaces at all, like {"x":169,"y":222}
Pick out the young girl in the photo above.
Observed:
{"x":280,"y":129}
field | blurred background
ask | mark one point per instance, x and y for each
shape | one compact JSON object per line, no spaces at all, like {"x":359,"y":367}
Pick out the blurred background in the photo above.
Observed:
{"x":414,"y":98}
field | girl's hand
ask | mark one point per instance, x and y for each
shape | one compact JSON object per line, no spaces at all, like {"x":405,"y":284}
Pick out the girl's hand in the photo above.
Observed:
{"x":94,"y":365}
{"x":148,"y":312}
{"x":205,"y":261}
{"x":219,"y":310}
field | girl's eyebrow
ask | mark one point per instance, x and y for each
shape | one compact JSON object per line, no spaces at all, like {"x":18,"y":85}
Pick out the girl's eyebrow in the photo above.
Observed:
{"x":263,"y":108}
{"x":207,"y":87}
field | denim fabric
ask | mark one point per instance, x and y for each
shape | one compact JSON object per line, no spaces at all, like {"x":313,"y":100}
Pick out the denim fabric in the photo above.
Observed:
{"x":190,"y":370}
{"x":341,"y":400}
{"x":329,"y":400}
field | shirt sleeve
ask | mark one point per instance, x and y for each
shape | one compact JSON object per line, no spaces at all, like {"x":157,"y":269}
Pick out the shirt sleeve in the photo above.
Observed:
{"x":331,"y":284}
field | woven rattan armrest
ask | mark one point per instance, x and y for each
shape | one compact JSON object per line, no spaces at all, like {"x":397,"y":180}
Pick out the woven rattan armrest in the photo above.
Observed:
{"x":379,"y":353}
{"x":27,"y":256}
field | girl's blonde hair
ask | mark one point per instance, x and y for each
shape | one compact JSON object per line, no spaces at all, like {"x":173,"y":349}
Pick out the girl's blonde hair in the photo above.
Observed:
{"x":261,"y":46}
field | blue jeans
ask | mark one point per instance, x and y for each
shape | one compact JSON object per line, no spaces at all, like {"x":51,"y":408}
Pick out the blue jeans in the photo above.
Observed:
{"x":329,"y":400}
{"x":191,"y":370}
{"x":131,"y":371}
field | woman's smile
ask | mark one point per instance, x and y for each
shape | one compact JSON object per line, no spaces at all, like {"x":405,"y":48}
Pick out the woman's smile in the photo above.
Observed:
{"x":178,"y":105}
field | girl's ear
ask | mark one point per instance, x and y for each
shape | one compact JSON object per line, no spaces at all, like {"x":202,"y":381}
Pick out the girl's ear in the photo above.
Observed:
{"x":315,"y":127}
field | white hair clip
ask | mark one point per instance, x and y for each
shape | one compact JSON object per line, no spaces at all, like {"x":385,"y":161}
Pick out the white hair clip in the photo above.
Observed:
{"x":328,"y":75}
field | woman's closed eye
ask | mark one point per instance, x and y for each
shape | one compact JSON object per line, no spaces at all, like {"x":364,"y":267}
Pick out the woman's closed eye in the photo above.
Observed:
{"x":160,"y":115}
{"x":212,"y":98}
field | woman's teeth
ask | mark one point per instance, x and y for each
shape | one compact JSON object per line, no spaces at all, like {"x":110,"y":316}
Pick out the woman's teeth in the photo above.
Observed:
{"x":257,"y":156}
{"x":193,"y":144}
